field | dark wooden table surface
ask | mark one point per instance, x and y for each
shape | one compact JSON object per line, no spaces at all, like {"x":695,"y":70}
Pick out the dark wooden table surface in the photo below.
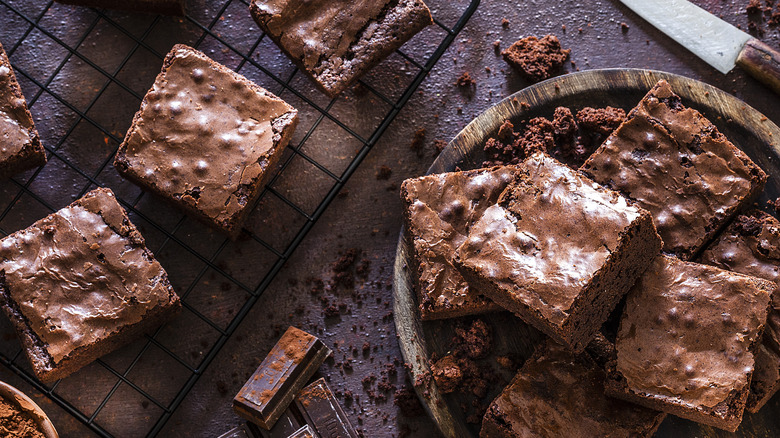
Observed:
{"x":368,"y":217}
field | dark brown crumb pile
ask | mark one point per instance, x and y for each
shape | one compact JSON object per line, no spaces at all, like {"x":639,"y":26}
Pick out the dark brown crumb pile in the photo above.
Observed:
{"x":439,"y":145}
{"x":418,"y":142}
{"x":570,"y":139}
{"x":775,"y":205}
{"x":466,"y":369}
{"x":465,"y":80}
{"x":16,"y":423}
{"x":510,"y":147}
{"x":384,"y":173}
{"x":536,"y":59}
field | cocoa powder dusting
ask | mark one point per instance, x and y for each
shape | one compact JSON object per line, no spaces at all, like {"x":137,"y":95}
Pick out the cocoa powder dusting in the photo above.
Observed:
{"x":16,"y":423}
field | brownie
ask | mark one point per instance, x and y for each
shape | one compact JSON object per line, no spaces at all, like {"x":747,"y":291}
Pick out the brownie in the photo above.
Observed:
{"x":677,"y":165}
{"x":205,"y":138}
{"x":558,"y":250}
{"x":751,"y":245}
{"x":80,"y":283}
{"x":687,"y":339}
{"x":167,"y":7}
{"x":439,"y":210}
{"x":337,"y":41}
{"x":536,"y":59}
{"x":21,"y":147}
{"x":561,"y":394}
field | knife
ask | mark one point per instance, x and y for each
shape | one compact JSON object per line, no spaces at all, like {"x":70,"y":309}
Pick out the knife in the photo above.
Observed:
{"x":718,"y":43}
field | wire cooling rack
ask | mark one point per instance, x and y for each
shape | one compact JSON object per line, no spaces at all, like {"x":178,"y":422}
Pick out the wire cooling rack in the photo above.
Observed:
{"x":84,"y":73}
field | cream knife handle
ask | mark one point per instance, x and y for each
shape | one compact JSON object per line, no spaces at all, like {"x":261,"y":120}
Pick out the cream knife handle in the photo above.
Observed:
{"x":762,"y":62}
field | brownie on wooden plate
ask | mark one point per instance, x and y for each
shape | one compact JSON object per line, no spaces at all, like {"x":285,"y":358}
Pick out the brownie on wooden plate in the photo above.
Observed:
{"x":204,"y":138}
{"x":751,"y":245}
{"x":80,"y":283}
{"x":676,"y":164}
{"x":439,"y":210}
{"x":561,"y":394}
{"x":337,"y":41}
{"x":687,"y":340}
{"x":20,"y":147}
{"x":167,"y":7}
{"x":558,"y":250}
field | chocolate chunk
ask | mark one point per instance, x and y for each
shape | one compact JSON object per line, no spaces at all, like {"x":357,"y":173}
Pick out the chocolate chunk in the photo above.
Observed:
{"x":304,"y":432}
{"x":291,"y":362}
{"x":321,"y":410}
{"x":536,"y":59}
{"x":238,"y":432}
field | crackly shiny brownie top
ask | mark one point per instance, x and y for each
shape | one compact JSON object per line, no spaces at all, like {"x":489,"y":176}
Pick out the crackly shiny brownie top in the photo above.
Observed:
{"x":441,"y":209}
{"x":16,"y":124}
{"x":558,"y":393}
{"x":551,"y":231}
{"x":203,"y":135}
{"x":81,"y":274}
{"x":677,"y":165}
{"x":687,"y":331}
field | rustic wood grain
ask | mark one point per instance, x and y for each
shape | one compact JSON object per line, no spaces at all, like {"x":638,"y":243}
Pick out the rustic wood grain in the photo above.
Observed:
{"x":762,"y":62}
{"x":743,"y":125}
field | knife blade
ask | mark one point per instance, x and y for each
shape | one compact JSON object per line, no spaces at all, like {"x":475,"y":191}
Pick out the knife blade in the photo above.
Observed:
{"x":715,"y":41}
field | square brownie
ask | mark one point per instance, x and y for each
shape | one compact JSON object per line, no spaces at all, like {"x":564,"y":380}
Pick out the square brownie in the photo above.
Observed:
{"x":676,"y":164}
{"x":336,"y":41}
{"x":20,"y":147}
{"x":561,"y":394}
{"x":687,"y":339}
{"x":751,"y":245}
{"x":205,"y":138}
{"x":558,"y":250}
{"x":80,"y":283}
{"x":439,"y":211}
{"x":167,"y":7}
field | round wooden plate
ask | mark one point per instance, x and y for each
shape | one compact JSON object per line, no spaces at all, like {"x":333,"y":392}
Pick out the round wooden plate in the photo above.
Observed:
{"x":744,"y":126}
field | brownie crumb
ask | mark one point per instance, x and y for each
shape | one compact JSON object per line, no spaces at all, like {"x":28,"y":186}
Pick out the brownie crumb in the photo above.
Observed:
{"x":536,"y":59}
{"x":475,"y":341}
{"x":564,"y":125}
{"x":504,"y":23}
{"x":418,"y":141}
{"x":774,"y":19}
{"x":624,"y":27}
{"x":497,"y":46}
{"x":601,"y":120}
{"x":447,"y":374}
{"x":408,"y":403}
{"x":747,"y":226}
{"x":775,"y":205}
{"x":439,"y":145}
{"x":384,"y":173}
{"x":754,"y":7}
{"x":506,"y":132}
{"x":465,"y":80}
{"x":511,"y":148}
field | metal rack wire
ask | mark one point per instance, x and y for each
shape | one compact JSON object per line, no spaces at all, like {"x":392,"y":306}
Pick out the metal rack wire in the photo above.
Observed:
{"x":96,"y":111}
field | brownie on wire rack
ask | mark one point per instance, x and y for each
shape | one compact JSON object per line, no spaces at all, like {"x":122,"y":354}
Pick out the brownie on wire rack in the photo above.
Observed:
{"x":81,"y":283}
{"x":205,"y":139}
{"x":337,"y":41}
{"x":20,"y":147}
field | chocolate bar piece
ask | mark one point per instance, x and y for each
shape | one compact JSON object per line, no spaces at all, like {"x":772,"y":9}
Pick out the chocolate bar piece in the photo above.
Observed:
{"x":304,"y":432}
{"x":321,"y":410}
{"x":289,"y":365}
{"x":288,"y":424}
{"x":238,"y":432}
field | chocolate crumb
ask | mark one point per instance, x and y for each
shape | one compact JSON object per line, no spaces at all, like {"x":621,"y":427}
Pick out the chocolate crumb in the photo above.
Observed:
{"x":601,"y":120}
{"x":504,"y":23}
{"x":754,"y":7}
{"x":536,"y":59}
{"x":447,"y":374}
{"x":418,"y":141}
{"x":775,"y":205}
{"x":439,"y":145}
{"x":384,"y":173}
{"x":624,"y":27}
{"x":465,"y":80}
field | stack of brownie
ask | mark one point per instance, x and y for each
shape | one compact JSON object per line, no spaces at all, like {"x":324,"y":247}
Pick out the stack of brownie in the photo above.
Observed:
{"x":561,"y":247}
